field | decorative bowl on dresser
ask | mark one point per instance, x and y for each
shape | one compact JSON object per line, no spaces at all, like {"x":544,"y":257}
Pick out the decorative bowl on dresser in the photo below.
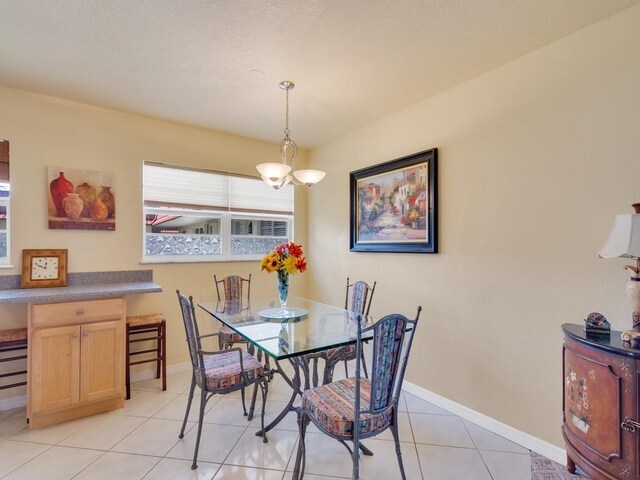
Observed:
{"x":601,"y":420}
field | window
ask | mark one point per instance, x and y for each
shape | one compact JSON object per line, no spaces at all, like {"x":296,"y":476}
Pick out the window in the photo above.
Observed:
{"x":5,"y":254}
{"x":197,"y":215}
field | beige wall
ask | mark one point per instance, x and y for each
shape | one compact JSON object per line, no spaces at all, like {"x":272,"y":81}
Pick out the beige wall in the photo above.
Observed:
{"x":536,"y":158}
{"x":46,"y":132}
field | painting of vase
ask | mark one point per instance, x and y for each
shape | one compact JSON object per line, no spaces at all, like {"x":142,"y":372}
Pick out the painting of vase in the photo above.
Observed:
{"x":81,"y":199}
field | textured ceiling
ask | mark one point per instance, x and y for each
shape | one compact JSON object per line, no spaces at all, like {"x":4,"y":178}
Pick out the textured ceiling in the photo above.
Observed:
{"x":217,"y":64}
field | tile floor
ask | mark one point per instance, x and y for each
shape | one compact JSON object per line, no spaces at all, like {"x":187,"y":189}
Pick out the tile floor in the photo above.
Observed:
{"x":141,"y":441}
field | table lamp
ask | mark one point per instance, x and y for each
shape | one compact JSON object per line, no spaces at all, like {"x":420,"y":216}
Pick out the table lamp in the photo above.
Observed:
{"x":624,"y":241}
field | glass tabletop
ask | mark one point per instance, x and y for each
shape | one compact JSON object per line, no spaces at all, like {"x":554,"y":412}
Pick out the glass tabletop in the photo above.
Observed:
{"x":306,"y":327}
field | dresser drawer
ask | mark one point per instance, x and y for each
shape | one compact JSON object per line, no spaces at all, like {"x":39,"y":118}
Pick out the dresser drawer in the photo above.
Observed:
{"x":67,"y":313}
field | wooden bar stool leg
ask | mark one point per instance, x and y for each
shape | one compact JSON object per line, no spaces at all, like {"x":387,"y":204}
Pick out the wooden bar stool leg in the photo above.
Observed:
{"x":160,"y":334}
{"x":164,"y":355}
{"x":128,"y":368}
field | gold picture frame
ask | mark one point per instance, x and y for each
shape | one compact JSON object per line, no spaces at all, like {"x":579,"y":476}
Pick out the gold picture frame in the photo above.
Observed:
{"x":42,"y":268}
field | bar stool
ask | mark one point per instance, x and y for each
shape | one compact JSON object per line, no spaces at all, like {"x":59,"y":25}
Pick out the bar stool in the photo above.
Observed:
{"x":13,"y":340}
{"x":144,"y":325}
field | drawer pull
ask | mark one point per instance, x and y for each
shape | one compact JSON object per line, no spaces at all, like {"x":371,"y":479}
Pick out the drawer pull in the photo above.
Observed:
{"x":75,"y":335}
{"x":85,"y":334}
{"x":80,"y":311}
{"x":629,"y":425}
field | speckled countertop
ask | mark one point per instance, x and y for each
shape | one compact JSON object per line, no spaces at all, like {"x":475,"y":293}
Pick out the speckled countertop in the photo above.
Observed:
{"x":81,"y":286}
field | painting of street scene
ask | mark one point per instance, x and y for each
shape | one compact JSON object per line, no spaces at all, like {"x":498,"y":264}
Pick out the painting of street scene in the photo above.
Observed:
{"x":393,"y":206}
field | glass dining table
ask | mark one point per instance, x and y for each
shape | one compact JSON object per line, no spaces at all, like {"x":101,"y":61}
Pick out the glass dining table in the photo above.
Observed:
{"x":305,"y":328}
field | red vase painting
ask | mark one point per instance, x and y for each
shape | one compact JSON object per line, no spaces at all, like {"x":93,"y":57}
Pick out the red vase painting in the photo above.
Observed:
{"x":84,"y":207}
{"x":59,"y":189}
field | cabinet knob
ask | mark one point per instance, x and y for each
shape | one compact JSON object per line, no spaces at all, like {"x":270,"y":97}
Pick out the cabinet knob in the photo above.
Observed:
{"x":629,"y":425}
{"x":85,"y":334}
{"x":75,"y":335}
{"x":80,"y":311}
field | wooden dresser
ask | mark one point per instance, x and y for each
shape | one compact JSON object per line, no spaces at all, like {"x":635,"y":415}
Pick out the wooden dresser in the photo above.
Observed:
{"x":600,"y":404}
{"x":75,"y":359}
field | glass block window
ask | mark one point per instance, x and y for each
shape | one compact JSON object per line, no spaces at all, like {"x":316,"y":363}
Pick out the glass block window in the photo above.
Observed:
{"x":197,"y":215}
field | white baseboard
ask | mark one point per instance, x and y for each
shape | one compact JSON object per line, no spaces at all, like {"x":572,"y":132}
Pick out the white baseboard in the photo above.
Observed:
{"x":546,"y":449}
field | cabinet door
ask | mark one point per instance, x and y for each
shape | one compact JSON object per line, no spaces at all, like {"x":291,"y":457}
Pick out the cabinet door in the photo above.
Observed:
{"x":102,"y":363}
{"x":54,"y":362}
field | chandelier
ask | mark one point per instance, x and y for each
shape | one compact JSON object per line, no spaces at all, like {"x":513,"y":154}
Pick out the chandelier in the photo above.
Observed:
{"x":280,"y":174}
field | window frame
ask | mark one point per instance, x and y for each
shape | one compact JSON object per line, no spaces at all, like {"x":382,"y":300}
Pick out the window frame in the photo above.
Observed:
{"x":225,"y":217}
{"x":5,"y":262}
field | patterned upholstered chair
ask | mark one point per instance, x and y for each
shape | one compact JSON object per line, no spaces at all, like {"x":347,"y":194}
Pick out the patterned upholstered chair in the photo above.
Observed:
{"x":358,"y":300}
{"x":221,"y":371}
{"x":232,"y":287}
{"x":356,"y":408}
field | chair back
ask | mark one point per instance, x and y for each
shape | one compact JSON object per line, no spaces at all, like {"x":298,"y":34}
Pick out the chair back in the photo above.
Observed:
{"x":232,"y":287}
{"x":359,"y":296}
{"x":191,"y":330}
{"x":392,"y":339}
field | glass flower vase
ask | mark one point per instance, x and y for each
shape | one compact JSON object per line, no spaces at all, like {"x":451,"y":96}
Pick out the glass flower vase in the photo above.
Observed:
{"x":283,"y":289}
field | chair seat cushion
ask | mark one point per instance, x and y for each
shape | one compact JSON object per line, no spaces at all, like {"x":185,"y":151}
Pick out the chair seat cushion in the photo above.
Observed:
{"x":332,"y":406}
{"x":229,"y":336}
{"x":140,"y":320}
{"x":13,"y":335}
{"x":223,"y":370}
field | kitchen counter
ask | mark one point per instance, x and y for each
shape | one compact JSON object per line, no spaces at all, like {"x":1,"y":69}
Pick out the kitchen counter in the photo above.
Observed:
{"x":81,"y":286}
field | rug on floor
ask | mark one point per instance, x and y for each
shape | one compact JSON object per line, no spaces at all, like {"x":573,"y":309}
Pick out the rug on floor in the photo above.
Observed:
{"x":544,"y":469}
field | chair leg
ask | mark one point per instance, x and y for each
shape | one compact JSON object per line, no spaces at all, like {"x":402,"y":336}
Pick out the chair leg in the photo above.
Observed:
{"x":298,"y":469}
{"x":127,"y":367}
{"x":164,"y":356}
{"x":203,"y":402}
{"x":264,"y":386}
{"x":346,"y":369}
{"x":396,"y":439}
{"x":355,"y":457}
{"x":252,"y":407}
{"x":244,"y":406}
{"x":186,"y":414}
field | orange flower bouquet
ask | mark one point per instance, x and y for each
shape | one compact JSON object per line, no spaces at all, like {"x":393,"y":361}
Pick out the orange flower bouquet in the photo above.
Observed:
{"x":286,"y":259}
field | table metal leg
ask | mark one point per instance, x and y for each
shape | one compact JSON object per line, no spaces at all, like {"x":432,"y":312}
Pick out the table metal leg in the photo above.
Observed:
{"x":295,"y":384}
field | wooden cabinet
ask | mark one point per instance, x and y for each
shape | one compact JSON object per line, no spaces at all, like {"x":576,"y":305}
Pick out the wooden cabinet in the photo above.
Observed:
{"x":600,"y":404}
{"x":76,"y":360}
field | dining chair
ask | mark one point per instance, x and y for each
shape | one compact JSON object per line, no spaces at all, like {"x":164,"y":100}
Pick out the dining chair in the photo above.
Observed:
{"x":221,"y":371}
{"x":356,"y":408}
{"x":232,"y":287}
{"x":358,"y":300}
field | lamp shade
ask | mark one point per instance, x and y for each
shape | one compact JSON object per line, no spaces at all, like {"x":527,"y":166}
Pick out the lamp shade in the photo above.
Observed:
{"x":624,"y":240}
{"x":309,"y":177}
{"x":273,"y":171}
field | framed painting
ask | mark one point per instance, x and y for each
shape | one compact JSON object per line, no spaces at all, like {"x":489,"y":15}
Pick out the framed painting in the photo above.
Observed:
{"x":394,"y":205}
{"x":81,"y":199}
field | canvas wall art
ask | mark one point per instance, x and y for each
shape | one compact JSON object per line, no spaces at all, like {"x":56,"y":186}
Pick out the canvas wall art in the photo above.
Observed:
{"x":393,"y":205}
{"x":81,"y":199}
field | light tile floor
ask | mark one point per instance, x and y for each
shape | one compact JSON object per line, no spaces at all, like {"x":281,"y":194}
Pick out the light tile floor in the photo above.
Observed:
{"x":141,"y":441}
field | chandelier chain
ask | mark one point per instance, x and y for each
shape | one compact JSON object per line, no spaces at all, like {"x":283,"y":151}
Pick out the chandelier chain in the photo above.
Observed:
{"x":286,"y":118}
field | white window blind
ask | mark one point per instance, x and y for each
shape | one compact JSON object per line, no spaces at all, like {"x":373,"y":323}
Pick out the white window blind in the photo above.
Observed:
{"x":178,"y":187}
{"x":252,"y":195}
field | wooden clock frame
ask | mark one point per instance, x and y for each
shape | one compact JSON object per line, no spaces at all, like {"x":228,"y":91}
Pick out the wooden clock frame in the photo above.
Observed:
{"x":28,"y":255}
